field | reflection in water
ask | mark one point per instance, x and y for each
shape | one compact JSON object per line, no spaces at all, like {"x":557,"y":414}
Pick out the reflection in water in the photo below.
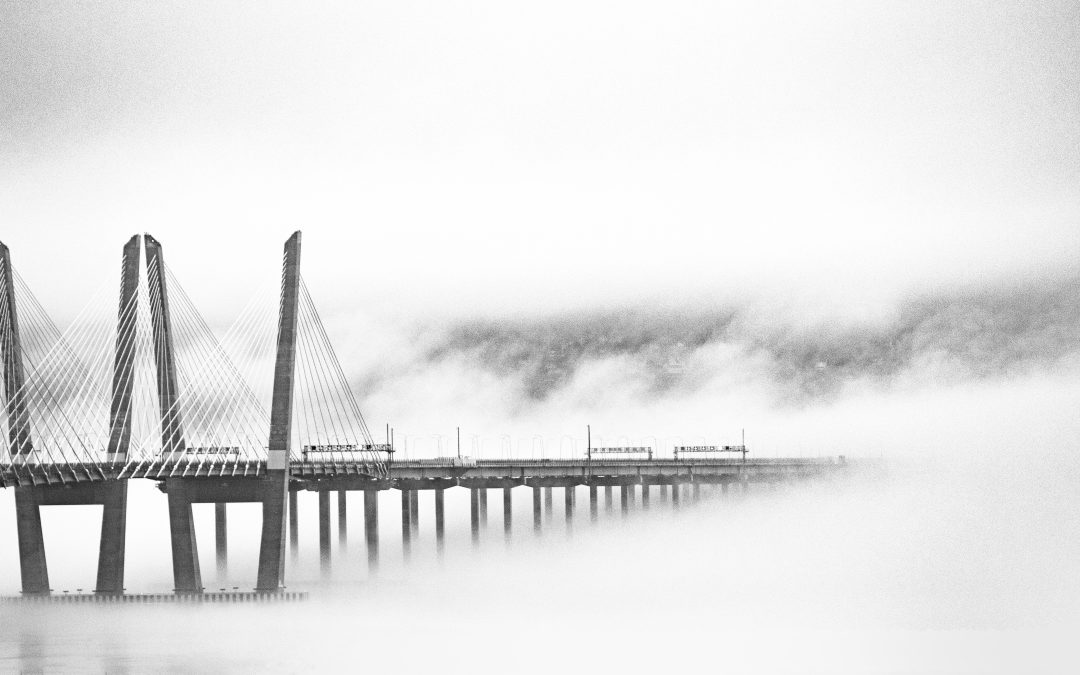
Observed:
{"x":923,"y":570}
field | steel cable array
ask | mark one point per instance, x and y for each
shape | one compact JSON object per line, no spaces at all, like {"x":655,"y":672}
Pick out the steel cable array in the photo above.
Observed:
{"x":214,"y":420}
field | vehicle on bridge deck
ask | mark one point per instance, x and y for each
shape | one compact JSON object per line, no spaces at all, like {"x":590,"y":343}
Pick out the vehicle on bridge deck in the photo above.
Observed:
{"x":222,"y":451}
{"x":313,"y":452}
{"x":621,"y":450}
{"x":454,"y":461}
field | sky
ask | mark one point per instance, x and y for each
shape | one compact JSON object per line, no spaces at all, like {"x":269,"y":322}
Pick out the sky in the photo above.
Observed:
{"x":448,"y":159}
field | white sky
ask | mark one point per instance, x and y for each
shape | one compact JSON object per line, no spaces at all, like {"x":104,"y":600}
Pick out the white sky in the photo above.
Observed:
{"x":465,"y":157}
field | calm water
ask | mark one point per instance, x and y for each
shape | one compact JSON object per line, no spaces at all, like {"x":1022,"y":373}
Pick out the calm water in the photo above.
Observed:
{"x":927,"y":570}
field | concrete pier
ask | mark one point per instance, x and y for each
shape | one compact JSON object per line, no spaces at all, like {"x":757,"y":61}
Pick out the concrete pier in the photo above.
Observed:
{"x":414,"y":513}
{"x":187,"y":578}
{"x":440,"y":526}
{"x":608,"y":499}
{"x":221,"y":540}
{"x":112,"y":551}
{"x":508,"y":512}
{"x":35,"y":570}
{"x":474,"y":514}
{"x":371,"y":527}
{"x":592,"y":502}
{"x":645,"y":495}
{"x":568,"y":504}
{"x":624,"y":497}
{"x":324,"y":531}
{"x":483,"y":507}
{"x":342,"y":521}
{"x":406,"y":523}
{"x":547,"y":503}
{"x":536,"y":509}
{"x":675,"y":489}
{"x":294,"y":526}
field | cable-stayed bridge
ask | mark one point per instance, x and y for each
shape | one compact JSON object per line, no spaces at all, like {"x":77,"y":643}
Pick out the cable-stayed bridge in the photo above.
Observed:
{"x":139,"y":386}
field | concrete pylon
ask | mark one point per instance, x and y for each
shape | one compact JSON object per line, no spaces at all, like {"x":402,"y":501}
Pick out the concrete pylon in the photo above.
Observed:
{"x":276,"y":480}
{"x":187,"y":577}
{"x":123,"y":380}
{"x":112,"y":550}
{"x":32,"y":564}
{"x":172,"y":433}
{"x":14,"y":376}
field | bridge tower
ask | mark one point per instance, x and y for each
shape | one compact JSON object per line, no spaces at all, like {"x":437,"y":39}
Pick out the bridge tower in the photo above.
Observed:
{"x":110,"y":575}
{"x":276,"y":482}
{"x":111,"y":495}
{"x":187,"y":577}
{"x":35,"y":572}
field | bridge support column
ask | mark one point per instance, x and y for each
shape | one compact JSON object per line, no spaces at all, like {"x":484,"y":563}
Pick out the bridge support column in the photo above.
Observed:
{"x":111,"y":553}
{"x":645,"y":495}
{"x":440,"y":518}
{"x":414,"y":512}
{"x":294,"y":526}
{"x":342,"y":520}
{"x":547,"y":503}
{"x":406,"y":523}
{"x":221,"y":540}
{"x":32,"y":564}
{"x":697,"y":492}
{"x":187,"y":578}
{"x":371,"y":527}
{"x":723,"y":488}
{"x":508,"y":512}
{"x":536,"y":508}
{"x":474,"y":514}
{"x":624,"y":497}
{"x":675,"y":488}
{"x":664,"y":493}
{"x":608,"y":499}
{"x":324,"y":531}
{"x":568,"y":504}
{"x":592,"y":502}
{"x":483,"y":507}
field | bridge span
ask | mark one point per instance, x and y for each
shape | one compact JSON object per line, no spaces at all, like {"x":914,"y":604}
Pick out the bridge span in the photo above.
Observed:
{"x":153,"y":394}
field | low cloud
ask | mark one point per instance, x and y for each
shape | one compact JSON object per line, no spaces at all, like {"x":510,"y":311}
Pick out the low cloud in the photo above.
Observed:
{"x":932,"y":339}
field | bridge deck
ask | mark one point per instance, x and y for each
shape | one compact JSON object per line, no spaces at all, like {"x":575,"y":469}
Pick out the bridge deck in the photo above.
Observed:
{"x":419,"y":473}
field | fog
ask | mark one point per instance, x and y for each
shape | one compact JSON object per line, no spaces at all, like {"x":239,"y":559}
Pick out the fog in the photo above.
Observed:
{"x":843,"y":228}
{"x":957,"y":554}
{"x":917,"y":572}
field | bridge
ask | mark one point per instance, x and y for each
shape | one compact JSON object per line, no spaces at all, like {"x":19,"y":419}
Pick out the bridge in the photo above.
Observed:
{"x":254,"y":416}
